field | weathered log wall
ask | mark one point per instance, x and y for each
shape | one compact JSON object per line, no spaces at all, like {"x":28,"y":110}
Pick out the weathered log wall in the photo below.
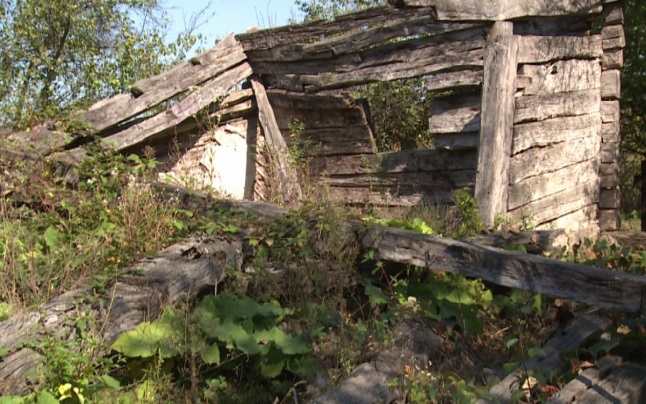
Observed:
{"x":525,"y":112}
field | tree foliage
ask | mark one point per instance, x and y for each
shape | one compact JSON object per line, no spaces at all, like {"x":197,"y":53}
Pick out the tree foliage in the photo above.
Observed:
{"x":326,"y":9}
{"x":59,"y":55}
{"x":400,"y":108}
{"x":633,"y":101}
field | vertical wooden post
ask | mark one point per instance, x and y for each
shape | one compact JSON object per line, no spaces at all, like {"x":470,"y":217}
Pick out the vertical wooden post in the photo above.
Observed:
{"x":291,"y":190}
{"x":497,"y":120}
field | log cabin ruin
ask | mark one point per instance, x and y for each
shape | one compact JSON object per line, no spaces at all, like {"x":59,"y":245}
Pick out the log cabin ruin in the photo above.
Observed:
{"x":525,"y":109}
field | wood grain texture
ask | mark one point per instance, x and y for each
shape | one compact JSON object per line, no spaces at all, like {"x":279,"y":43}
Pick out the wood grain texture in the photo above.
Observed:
{"x":609,"y":174}
{"x":612,"y":59}
{"x":609,"y":219}
{"x":499,"y":10}
{"x":594,"y":286}
{"x":555,"y":130}
{"x":151,"y":92}
{"x":610,"y":152}
{"x":396,"y":162}
{"x":538,"y":161}
{"x":497,"y":121}
{"x":168,"y":278}
{"x":575,"y":222}
{"x":560,"y":204}
{"x":456,"y":141}
{"x":538,"y":187}
{"x":288,"y":179}
{"x":610,"y":111}
{"x":561,"y":76}
{"x":572,"y":337}
{"x":611,"y":84}
{"x":540,"y":49}
{"x":610,"y":199}
{"x":610,"y":131}
{"x":539,"y":107}
{"x":454,"y":80}
{"x":455,"y":114}
{"x":209,"y":93}
{"x":613,"y":37}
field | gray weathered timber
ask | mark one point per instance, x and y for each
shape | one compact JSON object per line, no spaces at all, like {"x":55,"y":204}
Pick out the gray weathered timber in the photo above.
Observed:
{"x":455,"y":114}
{"x":236,"y":97}
{"x":610,"y":111}
{"x":586,"y":379}
{"x":609,"y":173}
{"x":539,"y":49}
{"x":609,"y":219}
{"x":225,"y":52}
{"x":209,"y":93}
{"x":321,"y":118}
{"x":566,"y":25}
{"x":583,"y":221}
{"x":593,"y":286}
{"x":288,"y":179}
{"x":536,"y":242}
{"x":456,"y":141}
{"x":560,"y":204}
{"x":539,"y":107}
{"x":359,"y":40}
{"x":337,"y":141}
{"x":611,"y":84}
{"x":555,"y":130}
{"x":397,"y":162}
{"x":610,"y":131}
{"x":612,"y":59}
{"x":609,"y":199}
{"x":308,"y":33}
{"x":613,"y":14}
{"x":292,"y":100}
{"x":405,"y":197}
{"x":497,"y":121}
{"x":574,"y":336}
{"x":375,"y":381}
{"x":154,"y":91}
{"x":550,"y":158}
{"x":168,"y":278}
{"x":624,"y":384}
{"x":421,"y":181}
{"x":561,"y":76}
{"x":453,"y":80}
{"x":613,"y":37}
{"x":498,"y":10}
{"x":418,"y":64}
{"x":609,"y":152}
{"x":541,"y":186}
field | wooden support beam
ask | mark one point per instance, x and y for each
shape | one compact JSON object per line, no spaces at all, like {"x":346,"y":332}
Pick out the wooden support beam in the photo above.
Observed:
{"x":498,"y":10}
{"x":290,"y":188}
{"x":497,"y":121}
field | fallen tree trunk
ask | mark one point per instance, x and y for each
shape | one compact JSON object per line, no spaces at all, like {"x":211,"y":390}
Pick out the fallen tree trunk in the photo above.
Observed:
{"x":179,"y":273}
{"x":597,"y":287}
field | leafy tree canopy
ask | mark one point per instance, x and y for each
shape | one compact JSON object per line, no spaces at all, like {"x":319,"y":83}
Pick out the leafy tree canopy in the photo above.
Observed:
{"x":59,"y":55}
{"x":633,"y":100}
{"x":326,"y":9}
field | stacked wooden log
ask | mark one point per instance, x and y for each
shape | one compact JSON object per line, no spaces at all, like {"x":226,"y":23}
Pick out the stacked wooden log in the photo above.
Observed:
{"x":526,"y":112}
{"x":611,"y":63}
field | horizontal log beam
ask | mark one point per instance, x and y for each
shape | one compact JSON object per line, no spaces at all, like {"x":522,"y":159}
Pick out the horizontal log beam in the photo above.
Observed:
{"x":499,"y":10}
{"x":151,"y":92}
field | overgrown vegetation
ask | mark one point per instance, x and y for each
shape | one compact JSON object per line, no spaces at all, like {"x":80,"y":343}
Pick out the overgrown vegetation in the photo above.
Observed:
{"x":306,"y":311}
{"x":57,"y":56}
{"x":309,"y":307}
